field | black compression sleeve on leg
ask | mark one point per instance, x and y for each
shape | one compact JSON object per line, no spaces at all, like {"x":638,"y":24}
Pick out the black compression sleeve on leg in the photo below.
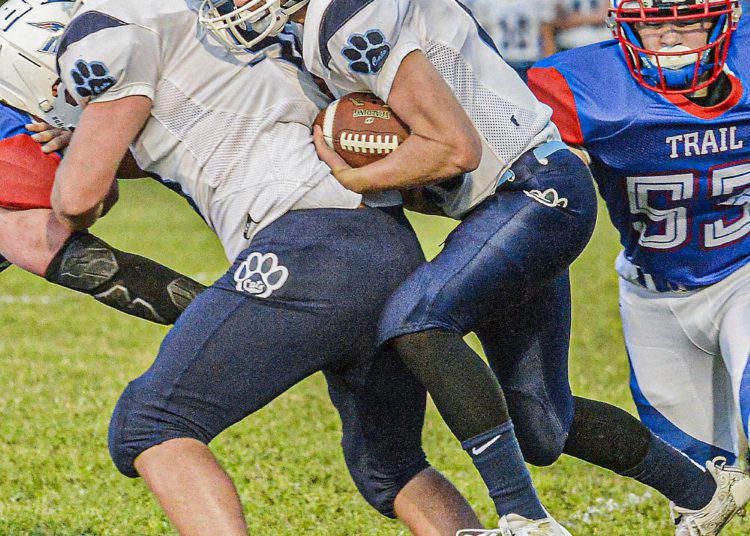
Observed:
{"x":612,"y":438}
{"x":129,"y":283}
{"x":607,"y":436}
{"x":463,"y":387}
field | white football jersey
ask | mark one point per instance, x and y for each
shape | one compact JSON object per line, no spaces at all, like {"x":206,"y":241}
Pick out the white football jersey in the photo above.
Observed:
{"x":515,"y":26}
{"x":234,"y":132}
{"x":359,"y":46}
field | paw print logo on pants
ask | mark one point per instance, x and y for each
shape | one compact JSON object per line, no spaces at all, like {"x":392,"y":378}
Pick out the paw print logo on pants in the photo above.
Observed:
{"x":367,"y":52}
{"x":260,"y":274}
{"x":91,"y":78}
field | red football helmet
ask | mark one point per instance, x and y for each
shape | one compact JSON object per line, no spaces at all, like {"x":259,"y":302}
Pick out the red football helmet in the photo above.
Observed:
{"x":674,"y":70}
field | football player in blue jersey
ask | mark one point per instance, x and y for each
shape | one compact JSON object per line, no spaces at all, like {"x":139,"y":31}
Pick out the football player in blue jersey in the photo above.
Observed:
{"x":526,"y":207}
{"x":30,"y":236}
{"x":667,"y":132}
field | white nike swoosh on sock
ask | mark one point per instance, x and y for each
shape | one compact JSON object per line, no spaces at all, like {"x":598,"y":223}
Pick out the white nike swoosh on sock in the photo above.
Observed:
{"x":476,"y":451}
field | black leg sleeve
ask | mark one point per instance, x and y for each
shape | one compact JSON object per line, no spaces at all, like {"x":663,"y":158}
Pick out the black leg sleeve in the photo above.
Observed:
{"x":607,"y":436}
{"x":129,"y":283}
{"x":463,"y":387}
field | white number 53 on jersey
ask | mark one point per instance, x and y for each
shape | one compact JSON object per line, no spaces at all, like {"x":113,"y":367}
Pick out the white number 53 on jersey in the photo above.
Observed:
{"x":670,"y":228}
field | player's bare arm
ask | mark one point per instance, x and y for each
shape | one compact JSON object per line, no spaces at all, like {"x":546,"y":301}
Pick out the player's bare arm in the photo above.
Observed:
{"x":43,"y":236}
{"x":57,"y":139}
{"x":443,"y":141}
{"x":96,"y":149}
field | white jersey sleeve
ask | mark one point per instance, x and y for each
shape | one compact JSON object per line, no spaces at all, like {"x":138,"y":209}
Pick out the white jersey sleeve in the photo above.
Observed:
{"x":361,"y":47}
{"x":97,"y":63}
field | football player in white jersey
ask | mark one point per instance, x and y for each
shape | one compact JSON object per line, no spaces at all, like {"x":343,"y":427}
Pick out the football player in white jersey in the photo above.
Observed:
{"x":527,"y":209}
{"x":311,"y":267}
{"x":523,"y":30}
{"x":30,"y":236}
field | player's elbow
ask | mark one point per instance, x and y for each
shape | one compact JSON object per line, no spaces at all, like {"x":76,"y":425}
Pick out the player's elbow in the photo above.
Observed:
{"x":75,"y":212}
{"x":467,"y":153}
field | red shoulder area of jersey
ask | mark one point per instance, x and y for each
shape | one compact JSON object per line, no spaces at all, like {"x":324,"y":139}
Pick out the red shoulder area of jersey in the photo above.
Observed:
{"x":550,"y":87}
{"x":710,"y":112}
{"x":26,"y":173}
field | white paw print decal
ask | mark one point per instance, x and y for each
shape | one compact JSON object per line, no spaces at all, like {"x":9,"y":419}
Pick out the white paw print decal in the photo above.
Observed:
{"x":260,"y":274}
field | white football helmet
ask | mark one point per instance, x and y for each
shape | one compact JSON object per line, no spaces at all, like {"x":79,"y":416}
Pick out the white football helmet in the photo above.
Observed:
{"x":30,"y":31}
{"x":241,"y":28}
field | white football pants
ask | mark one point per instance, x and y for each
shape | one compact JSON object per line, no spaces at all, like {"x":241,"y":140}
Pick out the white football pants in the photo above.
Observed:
{"x":689,"y":363}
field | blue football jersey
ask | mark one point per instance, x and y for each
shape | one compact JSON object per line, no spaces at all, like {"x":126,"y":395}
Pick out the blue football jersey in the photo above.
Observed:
{"x":12,"y":122}
{"x":675,"y":176}
{"x":9,"y":127}
{"x":26,"y":173}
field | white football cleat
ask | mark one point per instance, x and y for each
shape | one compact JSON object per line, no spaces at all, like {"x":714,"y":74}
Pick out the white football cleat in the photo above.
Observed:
{"x":515,"y":525}
{"x":732,"y":492}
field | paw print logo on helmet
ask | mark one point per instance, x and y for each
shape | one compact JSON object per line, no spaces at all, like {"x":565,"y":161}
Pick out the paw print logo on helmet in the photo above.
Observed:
{"x":91,"y":78}
{"x":367,"y":52}
{"x":260,"y":275}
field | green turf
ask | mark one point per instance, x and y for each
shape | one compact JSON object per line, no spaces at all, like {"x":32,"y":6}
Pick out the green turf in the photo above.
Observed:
{"x":65,"y":360}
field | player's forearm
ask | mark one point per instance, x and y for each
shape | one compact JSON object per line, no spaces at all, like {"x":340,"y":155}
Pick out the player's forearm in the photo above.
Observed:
{"x":76,"y":203}
{"x":417,"y":162}
{"x":31,"y":238}
{"x":96,"y":149}
{"x":129,"y":283}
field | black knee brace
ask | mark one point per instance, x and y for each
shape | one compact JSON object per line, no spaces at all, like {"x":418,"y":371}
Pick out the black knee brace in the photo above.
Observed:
{"x":129,"y":283}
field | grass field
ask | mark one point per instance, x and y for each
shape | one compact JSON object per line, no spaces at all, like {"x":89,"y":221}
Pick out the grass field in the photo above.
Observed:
{"x":65,"y":360}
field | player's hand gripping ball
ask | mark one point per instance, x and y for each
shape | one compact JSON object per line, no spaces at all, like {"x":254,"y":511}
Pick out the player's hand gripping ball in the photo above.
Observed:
{"x":361,"y":128}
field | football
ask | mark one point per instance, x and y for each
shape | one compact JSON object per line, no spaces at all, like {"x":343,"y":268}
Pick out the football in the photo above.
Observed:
{"x":361,"y":128}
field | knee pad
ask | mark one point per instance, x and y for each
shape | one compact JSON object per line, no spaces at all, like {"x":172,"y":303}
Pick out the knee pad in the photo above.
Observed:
{"x":379,"y":486}
{"x":138,"y":423}
{"x":540,"y":447}
{"x":120,"y":450}
{"x":540,"y":433}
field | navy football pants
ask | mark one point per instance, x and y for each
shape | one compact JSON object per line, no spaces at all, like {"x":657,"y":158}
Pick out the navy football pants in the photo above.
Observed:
{"x":233,"y":351}
{"x":503,"y":274}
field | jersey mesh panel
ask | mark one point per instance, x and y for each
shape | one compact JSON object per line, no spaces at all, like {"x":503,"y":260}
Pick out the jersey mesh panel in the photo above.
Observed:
{"x":226,"y":144}
{"x":492,"y":115}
